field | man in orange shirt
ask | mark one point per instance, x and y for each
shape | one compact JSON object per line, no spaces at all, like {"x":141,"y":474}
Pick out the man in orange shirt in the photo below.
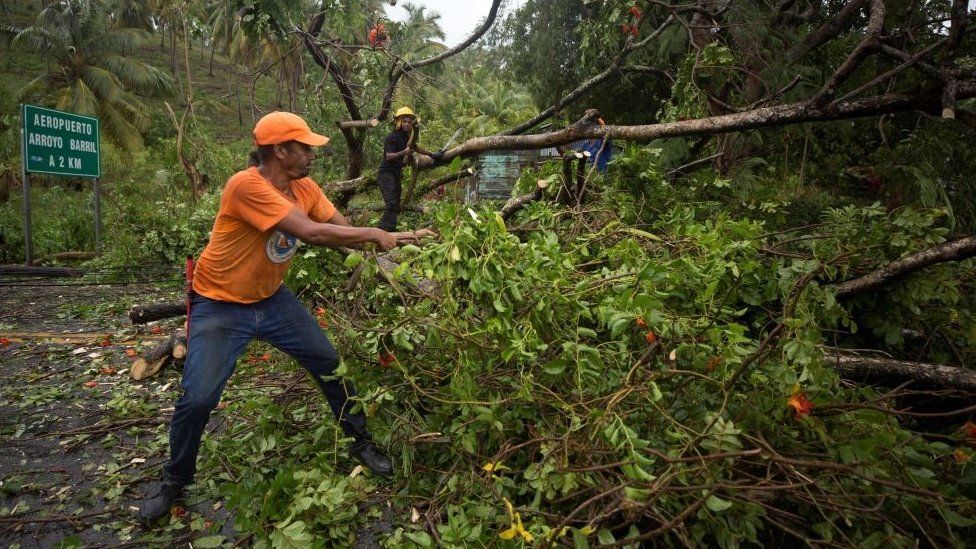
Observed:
{"x":265,"y":212}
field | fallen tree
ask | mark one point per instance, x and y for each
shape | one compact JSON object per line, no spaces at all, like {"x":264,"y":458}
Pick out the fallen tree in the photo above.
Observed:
{"x":955,"y":250}
{"x":888,"y":371}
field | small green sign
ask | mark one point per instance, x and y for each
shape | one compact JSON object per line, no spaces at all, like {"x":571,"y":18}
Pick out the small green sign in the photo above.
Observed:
{"x":60,"y":143}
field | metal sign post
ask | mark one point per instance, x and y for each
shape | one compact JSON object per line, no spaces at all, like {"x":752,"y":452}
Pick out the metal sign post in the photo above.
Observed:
{"x":59,"y":143}
{"x":28,"y":237}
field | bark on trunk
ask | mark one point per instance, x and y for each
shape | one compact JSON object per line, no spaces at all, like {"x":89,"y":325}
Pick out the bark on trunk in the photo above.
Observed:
{"x":887,"y":371}
{"x":956,"y":250}
{"x":780,"y":115}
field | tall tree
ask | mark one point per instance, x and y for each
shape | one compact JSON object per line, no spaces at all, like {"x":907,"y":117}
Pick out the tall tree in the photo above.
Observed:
{"x":93,"y":71}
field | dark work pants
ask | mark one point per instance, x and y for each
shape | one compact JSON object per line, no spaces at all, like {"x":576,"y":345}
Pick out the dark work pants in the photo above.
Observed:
{"x":219,"y":334}
{"x":390,"y":188}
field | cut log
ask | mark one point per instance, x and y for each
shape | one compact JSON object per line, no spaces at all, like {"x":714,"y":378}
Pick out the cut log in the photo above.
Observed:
{"x":64,"y":256}
{"x":179,"y":345}
{"x":153,"y":361}
{"x":140,"y":314}
{"x":888,"y":371}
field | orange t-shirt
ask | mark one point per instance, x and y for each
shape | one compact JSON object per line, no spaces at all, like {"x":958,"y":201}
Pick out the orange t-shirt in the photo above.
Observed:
{"x":246,"y":258}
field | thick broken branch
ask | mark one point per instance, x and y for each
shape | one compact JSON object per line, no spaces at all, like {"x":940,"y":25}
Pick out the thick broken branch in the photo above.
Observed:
{"x":516,"y":204}
{"x":956,"y":250}
{"x":959,"y":13}
{"x":889,"y":371}
{"x":446,"y":180}
{"x":856,"y":57}
{"x":341,"y":192}
{"x":764,"y":117}
{"x":370,"y":123}
{"x":827,"y":31}
{"x":614,"y":68}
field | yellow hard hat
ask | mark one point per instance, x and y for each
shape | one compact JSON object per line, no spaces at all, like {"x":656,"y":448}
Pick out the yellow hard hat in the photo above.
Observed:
{"x":404,"y":111}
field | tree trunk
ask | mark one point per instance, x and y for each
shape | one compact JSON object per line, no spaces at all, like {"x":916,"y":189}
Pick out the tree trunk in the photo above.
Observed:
{"x":765,"y":117}
{"x":956,"y":250}
{"x":888,"y":371}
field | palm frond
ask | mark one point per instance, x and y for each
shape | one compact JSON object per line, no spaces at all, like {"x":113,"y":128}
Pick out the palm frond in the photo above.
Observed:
{"x":105,"y":85}
{"x":138,"y":76}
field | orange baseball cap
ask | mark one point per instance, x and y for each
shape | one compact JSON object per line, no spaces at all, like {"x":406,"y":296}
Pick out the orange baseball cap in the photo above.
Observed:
{"x":278,"y":127}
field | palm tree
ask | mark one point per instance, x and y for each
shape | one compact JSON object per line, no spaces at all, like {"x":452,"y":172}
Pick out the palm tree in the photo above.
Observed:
{"x":95,"y":74}
{"x":420,"y":33}
{"x":135,"y":14}
{"x":490,"y":104}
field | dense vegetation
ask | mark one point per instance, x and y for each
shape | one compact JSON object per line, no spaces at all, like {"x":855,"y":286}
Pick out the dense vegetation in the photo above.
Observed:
{"x":651,"y":359}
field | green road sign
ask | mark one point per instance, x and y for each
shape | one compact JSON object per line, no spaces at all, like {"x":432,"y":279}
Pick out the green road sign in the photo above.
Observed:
{"x":60,"y":143}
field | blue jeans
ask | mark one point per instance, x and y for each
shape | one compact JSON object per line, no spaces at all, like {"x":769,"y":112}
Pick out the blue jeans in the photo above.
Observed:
{"x":219,"y":332}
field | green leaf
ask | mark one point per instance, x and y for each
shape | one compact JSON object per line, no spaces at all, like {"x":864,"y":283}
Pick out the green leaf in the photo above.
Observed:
{"x":717,"y":504}
{"x":353,"y":259}
{"x":955,"y":519}
{"x":420,"y":538}
{"x":501,"y":223}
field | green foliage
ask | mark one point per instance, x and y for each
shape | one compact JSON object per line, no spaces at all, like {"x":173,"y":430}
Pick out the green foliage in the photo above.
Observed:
{"x":95,"y":74}
{"x":553,"y":362}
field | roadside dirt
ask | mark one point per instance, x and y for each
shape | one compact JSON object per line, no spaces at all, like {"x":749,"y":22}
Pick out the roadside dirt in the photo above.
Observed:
{"x":81,"y":442}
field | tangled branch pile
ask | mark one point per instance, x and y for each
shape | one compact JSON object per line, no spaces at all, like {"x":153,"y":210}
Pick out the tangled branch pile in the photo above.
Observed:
{"x":573,"y":377}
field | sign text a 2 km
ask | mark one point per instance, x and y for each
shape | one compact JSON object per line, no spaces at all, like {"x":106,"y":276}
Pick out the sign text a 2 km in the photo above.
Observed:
{"x":60,"y":143}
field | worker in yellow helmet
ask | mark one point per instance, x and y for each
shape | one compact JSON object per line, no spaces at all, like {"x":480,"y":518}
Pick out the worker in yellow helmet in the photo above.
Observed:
{"x":400,"y":148}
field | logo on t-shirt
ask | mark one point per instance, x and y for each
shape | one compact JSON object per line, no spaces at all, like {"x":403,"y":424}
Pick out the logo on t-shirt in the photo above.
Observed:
{"x":281,"y":246}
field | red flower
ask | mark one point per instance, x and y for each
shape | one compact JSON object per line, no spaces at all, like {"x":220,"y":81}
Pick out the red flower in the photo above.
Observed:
{"x":641,"y":323}
{"x":650,"y":337}
{"x":377,"y":36}
{"x":636,"y":12}
{"x":800,"y":404}
{"x":387,"y":359}
{"x":970,"y":428}
{"x":625,"y":28}
{"x":105,"y":342}
{"x":130,"y":352}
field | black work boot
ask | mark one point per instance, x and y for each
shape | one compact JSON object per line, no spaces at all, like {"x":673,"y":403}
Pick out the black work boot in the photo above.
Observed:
{"x":154,"y":508}
{"x":366,"y":452}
